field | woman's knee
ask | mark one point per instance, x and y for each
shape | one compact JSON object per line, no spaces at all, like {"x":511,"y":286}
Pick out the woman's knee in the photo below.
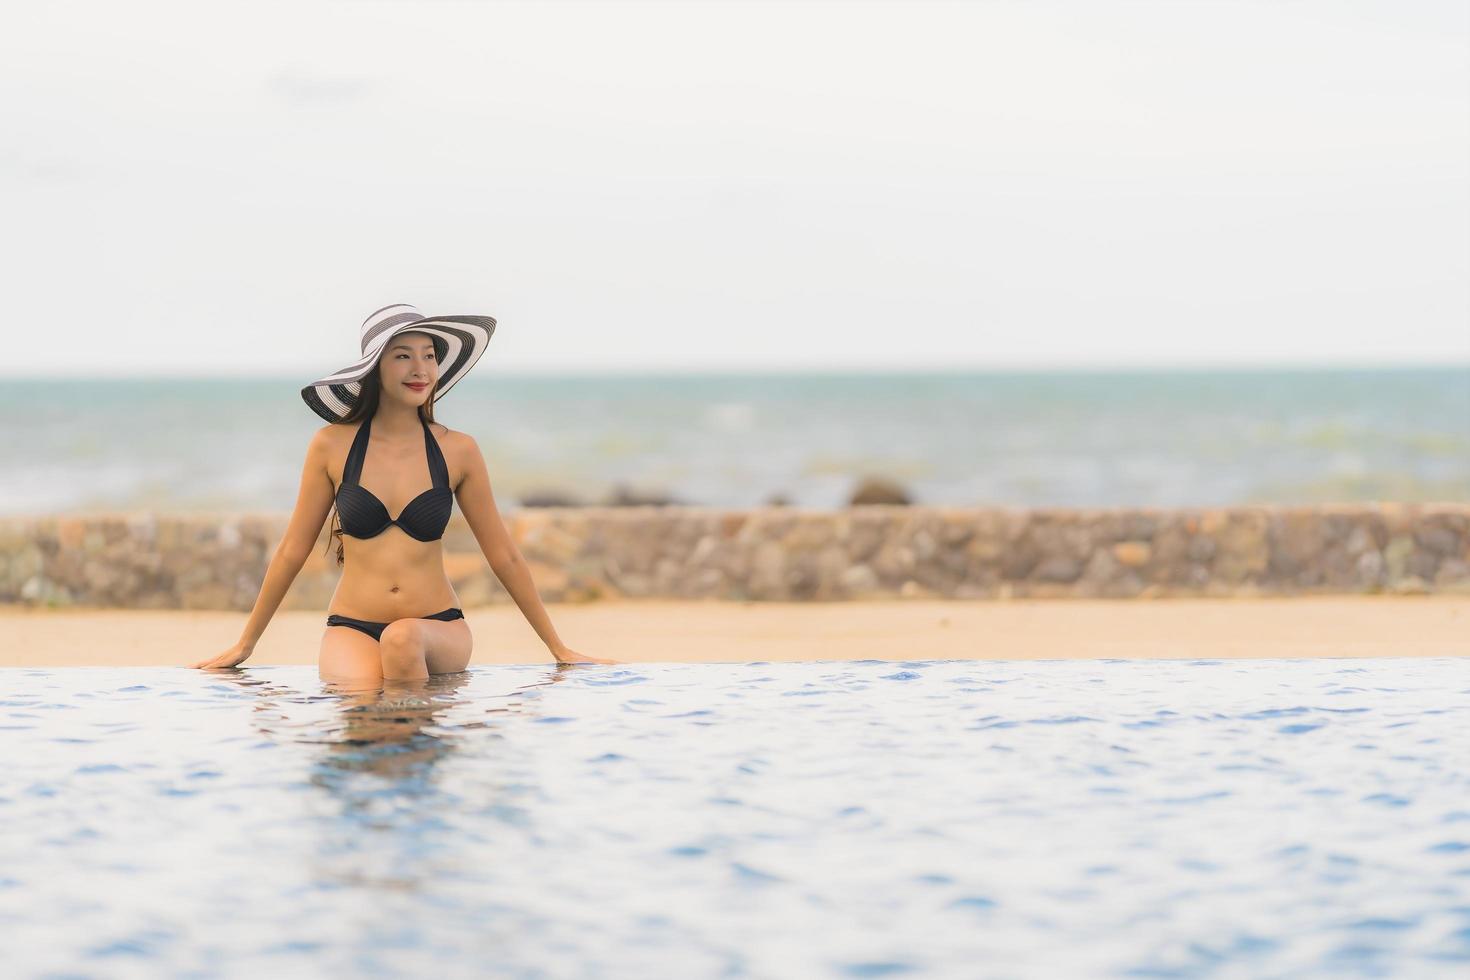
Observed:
{"x":402,"y":638}
{"x":347,"y":654}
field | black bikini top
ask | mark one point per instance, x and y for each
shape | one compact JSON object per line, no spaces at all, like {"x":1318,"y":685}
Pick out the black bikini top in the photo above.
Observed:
{"x":363,"y":514}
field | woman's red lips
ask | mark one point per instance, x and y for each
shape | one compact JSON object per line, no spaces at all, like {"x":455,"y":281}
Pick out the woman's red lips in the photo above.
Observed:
{"x":418,"y":387}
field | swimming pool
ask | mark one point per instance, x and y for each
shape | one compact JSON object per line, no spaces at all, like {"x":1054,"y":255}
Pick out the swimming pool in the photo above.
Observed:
{"x":829,"y":819}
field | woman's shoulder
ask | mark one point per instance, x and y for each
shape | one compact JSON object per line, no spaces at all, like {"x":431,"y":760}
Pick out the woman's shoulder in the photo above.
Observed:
{"x":335,"y":431}
{"x":457,"y":445}
{"x":447,"y":435}
{"x":332,"y":440}
{"x":328,"y":433}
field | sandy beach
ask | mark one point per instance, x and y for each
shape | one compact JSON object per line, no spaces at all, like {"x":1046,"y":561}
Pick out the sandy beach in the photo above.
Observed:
{"x":719,"y":632}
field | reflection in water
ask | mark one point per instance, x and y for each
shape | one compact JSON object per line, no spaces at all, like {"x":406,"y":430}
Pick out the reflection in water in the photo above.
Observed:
{"x":379,"y":753}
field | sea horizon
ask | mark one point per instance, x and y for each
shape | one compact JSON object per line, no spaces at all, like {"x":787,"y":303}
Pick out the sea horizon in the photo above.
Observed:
{"x":1062,"y":437}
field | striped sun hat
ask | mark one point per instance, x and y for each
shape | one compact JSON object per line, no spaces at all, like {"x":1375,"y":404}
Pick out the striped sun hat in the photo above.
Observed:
{"x":458,"y":343}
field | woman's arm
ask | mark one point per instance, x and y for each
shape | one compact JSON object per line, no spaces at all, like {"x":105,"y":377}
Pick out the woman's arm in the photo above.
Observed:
{"x":312,"y":504}
{"x":478,"y":506}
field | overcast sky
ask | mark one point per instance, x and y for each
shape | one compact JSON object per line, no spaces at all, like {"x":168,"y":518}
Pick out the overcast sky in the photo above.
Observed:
{"x":230,"y":189}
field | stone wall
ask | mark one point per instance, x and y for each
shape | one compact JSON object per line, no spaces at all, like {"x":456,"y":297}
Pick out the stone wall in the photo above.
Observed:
{"x":149,"y":561}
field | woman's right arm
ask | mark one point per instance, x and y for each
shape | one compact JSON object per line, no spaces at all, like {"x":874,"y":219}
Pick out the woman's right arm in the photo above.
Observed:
{"x":313,"y":502}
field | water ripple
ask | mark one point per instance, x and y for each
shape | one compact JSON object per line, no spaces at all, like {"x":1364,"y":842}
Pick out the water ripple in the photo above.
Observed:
{"x":1163,"y":818}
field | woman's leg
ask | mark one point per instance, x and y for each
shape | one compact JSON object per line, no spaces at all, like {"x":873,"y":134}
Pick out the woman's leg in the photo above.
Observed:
{"x":416,"y":648}
{"x":349,"y":655}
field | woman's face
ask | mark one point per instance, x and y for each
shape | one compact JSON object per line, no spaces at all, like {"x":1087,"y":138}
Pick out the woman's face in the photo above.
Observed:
{"x":409,"y":369}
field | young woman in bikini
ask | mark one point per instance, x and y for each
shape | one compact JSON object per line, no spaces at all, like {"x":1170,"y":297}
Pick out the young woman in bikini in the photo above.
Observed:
{"x":394,"y":615}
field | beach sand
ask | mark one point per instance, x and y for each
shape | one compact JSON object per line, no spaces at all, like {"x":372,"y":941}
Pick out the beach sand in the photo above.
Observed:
{"x":648,"y":631}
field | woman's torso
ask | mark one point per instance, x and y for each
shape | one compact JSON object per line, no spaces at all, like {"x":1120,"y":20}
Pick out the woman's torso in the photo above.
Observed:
{"x":390,"y":575}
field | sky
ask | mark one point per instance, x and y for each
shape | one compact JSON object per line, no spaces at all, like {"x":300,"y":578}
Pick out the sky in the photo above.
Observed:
{"x":229,"y":189}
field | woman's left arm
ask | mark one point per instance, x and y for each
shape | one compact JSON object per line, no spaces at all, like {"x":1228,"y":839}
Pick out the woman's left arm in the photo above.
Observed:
{"x":477,"y":503}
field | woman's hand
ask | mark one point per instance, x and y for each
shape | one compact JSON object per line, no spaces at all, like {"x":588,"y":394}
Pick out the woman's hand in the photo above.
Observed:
{"x":236,"y":654}
{"x":566,"y":655}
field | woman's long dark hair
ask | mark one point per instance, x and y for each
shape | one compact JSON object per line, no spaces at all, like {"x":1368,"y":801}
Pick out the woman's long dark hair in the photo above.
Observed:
{"x":366,"y":408}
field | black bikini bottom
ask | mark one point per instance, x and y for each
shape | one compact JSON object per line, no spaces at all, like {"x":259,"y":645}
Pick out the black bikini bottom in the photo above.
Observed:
{"x":375,"y":630}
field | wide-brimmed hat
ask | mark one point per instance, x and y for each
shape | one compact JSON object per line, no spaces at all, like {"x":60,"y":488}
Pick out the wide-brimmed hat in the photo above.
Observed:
{"x":458,"y":343}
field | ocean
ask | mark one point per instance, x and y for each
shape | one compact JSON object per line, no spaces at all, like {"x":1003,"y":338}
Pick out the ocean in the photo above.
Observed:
{"x":1185,"y":818}
{"x":1033,"y":439}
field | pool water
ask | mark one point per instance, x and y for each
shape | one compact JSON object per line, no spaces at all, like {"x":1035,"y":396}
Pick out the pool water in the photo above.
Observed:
{"x":829,"y":819}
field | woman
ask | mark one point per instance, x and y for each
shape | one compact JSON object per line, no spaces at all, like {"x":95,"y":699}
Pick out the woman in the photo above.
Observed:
{"x":394,"y":615}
